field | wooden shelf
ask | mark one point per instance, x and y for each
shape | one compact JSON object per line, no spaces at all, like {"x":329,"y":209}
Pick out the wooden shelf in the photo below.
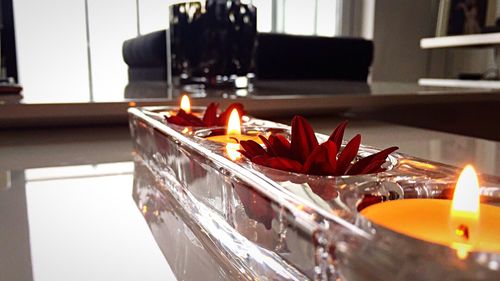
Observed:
{"x":474,"y":40}
{"x":455,"y":83}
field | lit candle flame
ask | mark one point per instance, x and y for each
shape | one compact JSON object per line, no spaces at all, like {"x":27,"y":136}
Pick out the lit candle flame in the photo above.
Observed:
{"x":186,"y":104}
{"x":233,"y":128}
{"x":464,"y":214}
{"x":466,"y":196}
{"x":234,"y":124}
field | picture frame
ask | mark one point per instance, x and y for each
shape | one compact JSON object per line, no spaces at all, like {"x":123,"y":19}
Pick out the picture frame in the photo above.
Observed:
{"x":464,"y":17}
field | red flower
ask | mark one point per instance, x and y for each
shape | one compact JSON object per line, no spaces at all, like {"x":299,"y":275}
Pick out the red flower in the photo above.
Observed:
{"x":210,"y":118}
{"x":304,"y":155}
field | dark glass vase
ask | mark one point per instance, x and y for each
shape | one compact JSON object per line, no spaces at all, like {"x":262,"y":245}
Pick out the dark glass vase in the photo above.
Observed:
{"x":213,"y":42}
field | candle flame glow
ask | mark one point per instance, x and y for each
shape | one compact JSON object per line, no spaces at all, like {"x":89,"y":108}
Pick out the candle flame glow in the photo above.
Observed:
{"x":233,"y":128}
{"x":462,"y":250}
{"x":232,"y":151}
{"x":186,"y":104}
{"x":466,"y":196}
{"x":234,"y":124}
{"x":464,"y":214}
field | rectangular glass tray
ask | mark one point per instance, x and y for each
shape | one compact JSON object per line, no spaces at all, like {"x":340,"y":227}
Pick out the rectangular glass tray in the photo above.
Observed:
{"x":261,"y":223}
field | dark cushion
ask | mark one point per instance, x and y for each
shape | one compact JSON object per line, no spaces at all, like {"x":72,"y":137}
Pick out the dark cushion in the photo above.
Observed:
{"x":146,"y":89}
{"x":278,"y":56}
{"x":153,"y":73}
{"x":281,"y":56}
{"x":146,"y":50}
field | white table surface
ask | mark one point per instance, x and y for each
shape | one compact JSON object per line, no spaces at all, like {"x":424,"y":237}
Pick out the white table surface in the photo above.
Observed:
{"x":66,"y":210}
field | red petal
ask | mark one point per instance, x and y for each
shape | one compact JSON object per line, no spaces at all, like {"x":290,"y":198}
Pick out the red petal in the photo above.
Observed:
{"x":281,"y":146}
{"x":178,"y":121}
{"x":260,"y":160}
{"x":246,"y":154}
{"x":374,"y":166}
{"x":224,"y":116}
{"x":382,"y":155}
{"x":347,"y":155}
{"x":238,"y":106}
{"x":270,"y":150}
{"x":192,"y":119}
{"x":252,"y":149}
{"x":364,"y":164}
{"x":369,"y":200}
{"x":278,"y":163}
{"x":338,"y":134}
{"x":210,"y":116}
{"x":184,"y":119}
{"x":322,"y":161}
{"x":303,"y":139}
{"x":284,"y":164}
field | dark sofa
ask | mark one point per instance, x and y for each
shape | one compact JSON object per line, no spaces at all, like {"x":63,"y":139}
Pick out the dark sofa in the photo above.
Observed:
{"x":278,"y":57}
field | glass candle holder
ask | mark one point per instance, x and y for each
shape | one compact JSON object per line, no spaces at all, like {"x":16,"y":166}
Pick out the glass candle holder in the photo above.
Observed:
{"x":160,"y":113}
{"x":266,"y":222}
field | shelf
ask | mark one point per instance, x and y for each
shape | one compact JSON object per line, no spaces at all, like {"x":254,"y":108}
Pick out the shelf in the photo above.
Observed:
{"x":474,"y":40}
{"x":480,"y":84}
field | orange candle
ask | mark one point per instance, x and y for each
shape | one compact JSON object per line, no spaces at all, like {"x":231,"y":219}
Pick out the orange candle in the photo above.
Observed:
{"x":233,"y":136}
{"x":233,"y":131}
{"x":462,"y":224}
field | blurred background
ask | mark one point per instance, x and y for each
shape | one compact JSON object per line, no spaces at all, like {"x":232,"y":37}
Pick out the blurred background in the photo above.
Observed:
{"x":70,"y":50}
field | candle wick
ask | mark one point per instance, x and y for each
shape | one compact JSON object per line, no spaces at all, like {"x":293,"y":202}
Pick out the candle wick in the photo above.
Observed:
{"x":463,"y":232}
{"x":235,"y":139}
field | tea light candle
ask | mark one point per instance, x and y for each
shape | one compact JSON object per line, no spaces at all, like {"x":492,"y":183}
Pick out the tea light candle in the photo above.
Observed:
{"x":462,"y":224}
{"x":184,"y":104}
{"x":233,"y":136}
{"x":233,"y":131}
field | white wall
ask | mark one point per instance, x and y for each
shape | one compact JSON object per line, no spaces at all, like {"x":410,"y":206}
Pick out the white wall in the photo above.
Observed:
{"x":51,"y":50}
{"x":53,"y":60}
{"x":108,"y":30}
{"x":398,"y":27}
{"x":153,"y":15}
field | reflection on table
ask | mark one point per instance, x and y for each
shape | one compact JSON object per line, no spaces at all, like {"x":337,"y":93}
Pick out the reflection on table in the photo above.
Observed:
{"x":55,"y":186}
